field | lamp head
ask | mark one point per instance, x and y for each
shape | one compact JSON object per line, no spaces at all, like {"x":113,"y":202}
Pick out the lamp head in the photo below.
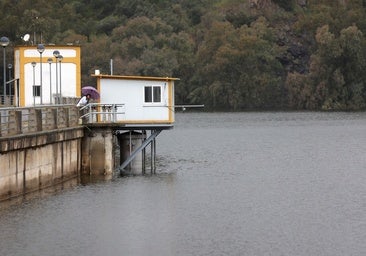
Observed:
{"x":56,"y":53}
{"x":34,"y":64}
{"x":40,"y":48}
{"x":4,"y":41}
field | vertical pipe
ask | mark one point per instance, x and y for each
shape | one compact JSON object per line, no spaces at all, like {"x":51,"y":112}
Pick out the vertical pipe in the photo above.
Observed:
{"x":4,"y":74}
{"x":4,"y":41}
{"x":151,"y":155}
{"x":40,"y":49}
{"x":10,"y":66}
{"x":34,"y":84}
{"x":50,"y":63}
{"x":60,"y":58}
{"x":57,"y":96}
{"x":16,"y":92}
{"x":40,"y":73}
{"x":60,"y":82}
{"x":154,"y":155}
{"x":143,"y":161}
{"x":130,"y":146}
{"x":143,"y":153}
{"x":111,"y":65}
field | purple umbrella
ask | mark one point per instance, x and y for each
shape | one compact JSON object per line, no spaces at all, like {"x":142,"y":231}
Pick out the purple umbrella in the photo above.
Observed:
{"x":94,"y":94}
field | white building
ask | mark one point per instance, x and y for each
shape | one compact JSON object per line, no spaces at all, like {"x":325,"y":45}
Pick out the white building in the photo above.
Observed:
{"x":146,"y":100}
{"x":52,"y":81}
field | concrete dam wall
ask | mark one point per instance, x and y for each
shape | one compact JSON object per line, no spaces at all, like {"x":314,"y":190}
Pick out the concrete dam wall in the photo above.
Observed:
{"x":39,"y":148}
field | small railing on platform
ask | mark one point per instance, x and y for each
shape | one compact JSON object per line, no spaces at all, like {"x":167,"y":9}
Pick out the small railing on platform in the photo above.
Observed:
{"x":8,"y":101}
{"x":102,"y":113}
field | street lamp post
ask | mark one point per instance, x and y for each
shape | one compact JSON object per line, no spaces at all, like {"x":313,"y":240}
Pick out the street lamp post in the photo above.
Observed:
{"x":34,"y":83}
{"x":60,"y":58}
{"x":40,"y":49}
{"x":4,"y":41}
{"x":50,"y":62}
{"x":56,"y":53}
{"x":10,"y":66}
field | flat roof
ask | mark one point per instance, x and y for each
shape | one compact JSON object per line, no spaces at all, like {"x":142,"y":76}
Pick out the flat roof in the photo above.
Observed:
{"x":120,"y":126}
{"x":135,"y":77}
{"x":48,"y":46}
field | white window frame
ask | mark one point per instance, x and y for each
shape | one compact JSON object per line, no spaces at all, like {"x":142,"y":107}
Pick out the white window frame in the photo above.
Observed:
{"x":152,"y":96}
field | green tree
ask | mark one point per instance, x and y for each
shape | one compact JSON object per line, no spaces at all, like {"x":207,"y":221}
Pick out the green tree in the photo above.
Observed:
{"x":336,"y":80}
{"x":240,"y":67}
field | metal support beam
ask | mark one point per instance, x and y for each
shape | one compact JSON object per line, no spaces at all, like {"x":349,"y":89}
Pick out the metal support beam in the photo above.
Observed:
{"x":152,"y":137}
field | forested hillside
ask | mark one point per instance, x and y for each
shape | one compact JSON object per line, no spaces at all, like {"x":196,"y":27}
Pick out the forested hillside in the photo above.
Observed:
{"x":229,"y":54}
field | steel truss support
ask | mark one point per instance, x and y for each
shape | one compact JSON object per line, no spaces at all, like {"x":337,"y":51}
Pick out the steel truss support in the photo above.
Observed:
{"x":151,"y":139}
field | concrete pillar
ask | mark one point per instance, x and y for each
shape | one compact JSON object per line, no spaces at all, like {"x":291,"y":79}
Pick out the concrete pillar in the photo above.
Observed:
{"x":51,"y":118}
{"x":67,"y":119}
{"x":73,"y":116}
{"x":98,"y":152}
{"x":128,"y":142}
{"x":61,"y":118}
{"x":15,"y":122}
{"x":35,"y":120}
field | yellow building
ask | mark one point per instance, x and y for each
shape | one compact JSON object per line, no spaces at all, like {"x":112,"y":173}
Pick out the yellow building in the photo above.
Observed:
{"x":46,"y":79}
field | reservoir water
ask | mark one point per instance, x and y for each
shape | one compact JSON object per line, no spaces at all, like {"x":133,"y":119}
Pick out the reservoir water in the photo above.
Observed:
{"x":227,"y":184}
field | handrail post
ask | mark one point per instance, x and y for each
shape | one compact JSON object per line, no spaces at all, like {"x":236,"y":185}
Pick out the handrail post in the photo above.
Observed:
{"x":104,"y":114}
{"x":90,"y":113}
{"x":114,"y":113}
{"x":109,"y":112}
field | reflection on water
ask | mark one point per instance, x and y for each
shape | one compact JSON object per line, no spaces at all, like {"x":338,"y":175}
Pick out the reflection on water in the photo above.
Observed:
{"x":40,"y":194}
{"x":226,"y":184}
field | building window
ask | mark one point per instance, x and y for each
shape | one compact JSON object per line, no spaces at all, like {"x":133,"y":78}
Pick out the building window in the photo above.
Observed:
{"x":152,"y":94}
{"x":36,"y":90}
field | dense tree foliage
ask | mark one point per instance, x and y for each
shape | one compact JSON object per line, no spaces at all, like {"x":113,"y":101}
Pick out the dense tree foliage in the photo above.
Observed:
{"x":229,"y":54}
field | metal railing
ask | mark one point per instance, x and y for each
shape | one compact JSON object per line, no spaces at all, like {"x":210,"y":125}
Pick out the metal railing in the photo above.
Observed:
{"x":8,"y":100}
{"x":102,"y":113}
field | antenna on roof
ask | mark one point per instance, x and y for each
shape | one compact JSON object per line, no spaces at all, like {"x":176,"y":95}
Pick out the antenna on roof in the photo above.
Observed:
{"x":111,"y":66}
